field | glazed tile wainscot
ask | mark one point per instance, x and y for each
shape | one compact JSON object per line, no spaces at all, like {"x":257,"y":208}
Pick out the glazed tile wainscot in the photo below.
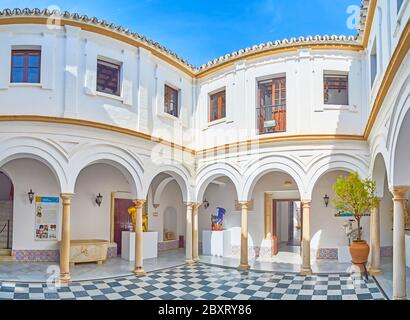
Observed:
{"x":52,"y":255}
{"x":332,"y":253}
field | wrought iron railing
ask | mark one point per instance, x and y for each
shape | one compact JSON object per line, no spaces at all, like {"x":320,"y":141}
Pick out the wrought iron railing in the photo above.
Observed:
{"x":271,"y":119}
{"x":7,"y":226}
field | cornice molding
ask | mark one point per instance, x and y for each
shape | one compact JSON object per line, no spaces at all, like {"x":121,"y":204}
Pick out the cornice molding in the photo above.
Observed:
{"x":95,"y":25}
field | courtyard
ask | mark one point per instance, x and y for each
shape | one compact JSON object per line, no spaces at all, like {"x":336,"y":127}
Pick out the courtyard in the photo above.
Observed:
{"x":203,"y":282}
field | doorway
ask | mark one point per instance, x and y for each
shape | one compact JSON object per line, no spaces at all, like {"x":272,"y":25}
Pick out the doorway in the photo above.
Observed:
{"x":287,"y":226}
{"x":6,"y":214}
{"x":122,"y":220}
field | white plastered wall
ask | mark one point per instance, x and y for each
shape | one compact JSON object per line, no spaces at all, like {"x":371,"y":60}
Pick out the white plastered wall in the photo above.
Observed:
{"x":88,"y":220}
{"x":29,"y":174}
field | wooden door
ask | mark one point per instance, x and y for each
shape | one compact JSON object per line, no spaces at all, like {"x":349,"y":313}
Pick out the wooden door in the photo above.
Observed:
{"x":122,"y":220}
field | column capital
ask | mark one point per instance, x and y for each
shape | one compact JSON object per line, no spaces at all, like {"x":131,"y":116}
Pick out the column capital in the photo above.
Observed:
{"x":193,"y":205}
{"x":245,"y":204}
{"x":307,"y":203}
{"x":139,"y":203}
{"x":399,"y":192}
{"x":67,"y":197}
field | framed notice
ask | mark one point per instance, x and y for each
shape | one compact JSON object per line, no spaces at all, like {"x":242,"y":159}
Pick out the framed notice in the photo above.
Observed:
{"x":46,"y":218}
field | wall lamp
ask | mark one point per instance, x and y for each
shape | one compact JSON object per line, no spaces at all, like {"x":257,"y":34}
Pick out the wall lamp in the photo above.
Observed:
{"x":31,"y":196}
{"x":326,"y":200}
{"x":206,"y":204}
{"x":99,"y":199}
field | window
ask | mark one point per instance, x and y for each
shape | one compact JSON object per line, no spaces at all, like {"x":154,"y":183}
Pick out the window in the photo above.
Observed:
{"x":108,"y":77}
{"x":399,"y":4}
{"x":171,"y":101}
{"x":373,"y":63}
{"x":218,"y":106}
{"x":25,"y":66}
{"x":336,"y":89}
{"x":271,"y":107}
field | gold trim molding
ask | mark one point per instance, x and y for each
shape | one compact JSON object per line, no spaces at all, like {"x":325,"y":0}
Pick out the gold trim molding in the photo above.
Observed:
{"x":226,"y":147}
{"x":369,"y":22}
{"x":399,"y":54}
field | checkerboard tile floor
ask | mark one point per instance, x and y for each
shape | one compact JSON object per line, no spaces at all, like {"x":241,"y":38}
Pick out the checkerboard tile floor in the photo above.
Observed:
{"x":203,"y":282}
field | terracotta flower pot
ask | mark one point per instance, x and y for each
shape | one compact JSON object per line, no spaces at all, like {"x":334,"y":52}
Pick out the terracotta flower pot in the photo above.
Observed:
{"x":360,"y":253}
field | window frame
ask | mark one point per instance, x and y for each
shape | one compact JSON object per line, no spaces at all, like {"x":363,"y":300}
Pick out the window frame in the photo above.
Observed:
{"x":374,"y":63}
{"x":336,"y":75}
{"x":25,"y":66}
{"x":220,"y":94}
{"x":399,"y":6}
{"x":178,"y":103}
{"x":110,"y":63}
{"x":277,"y":111}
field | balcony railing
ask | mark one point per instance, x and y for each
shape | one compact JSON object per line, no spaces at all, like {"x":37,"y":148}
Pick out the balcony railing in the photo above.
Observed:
{"x":272,"y":119}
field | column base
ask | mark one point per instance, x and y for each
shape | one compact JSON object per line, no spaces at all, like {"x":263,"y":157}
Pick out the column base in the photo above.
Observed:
{"x":375,"y":271}
{"x":189,"y":261}
{"x":65,"y":278}
{"x":306,"y":271}
{"x":196,"y":260}
{"x":400,"y":298}
{"x":244,"y":267}
{"x":139,"y":272}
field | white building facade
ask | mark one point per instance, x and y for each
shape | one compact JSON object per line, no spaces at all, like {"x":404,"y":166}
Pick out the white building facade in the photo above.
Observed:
{"x":88,"y":108}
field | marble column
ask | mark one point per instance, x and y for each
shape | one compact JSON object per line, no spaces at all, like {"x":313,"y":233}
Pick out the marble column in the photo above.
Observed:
{"x":188,"y":236}
{"x":306,"y":265}
{"x":399,"y":250}
{"x":65,"y":277}
{"x":244,"y":266}
{"x":195,"y":228}
{"x":139,"y":258}
{"x":374,"y":268}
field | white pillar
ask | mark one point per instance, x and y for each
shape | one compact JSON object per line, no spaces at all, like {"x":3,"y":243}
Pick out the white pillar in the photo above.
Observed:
{"x":399,"y":250}
{"x":65,"y":276}
{"x":195,"y":238}
{"x":306,"y":265}
{"x":375,"y":242}
{"x":244,"y":237}
{"x":188,"y":240}
{"x":139,"y":258}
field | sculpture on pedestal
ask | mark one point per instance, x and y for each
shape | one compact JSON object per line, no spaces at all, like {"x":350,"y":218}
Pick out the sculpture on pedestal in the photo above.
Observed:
{"x":132,"y":211}
{"x":217,"y":219}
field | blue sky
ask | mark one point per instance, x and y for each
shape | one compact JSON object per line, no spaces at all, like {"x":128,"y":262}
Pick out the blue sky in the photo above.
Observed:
{"x":201,"y":30}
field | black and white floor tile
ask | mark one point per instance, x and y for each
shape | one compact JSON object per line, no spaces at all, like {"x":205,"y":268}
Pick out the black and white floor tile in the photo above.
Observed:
{"x":204,"y":282}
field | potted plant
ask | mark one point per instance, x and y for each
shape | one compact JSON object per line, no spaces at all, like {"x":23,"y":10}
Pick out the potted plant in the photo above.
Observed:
{"x":358,"y":197}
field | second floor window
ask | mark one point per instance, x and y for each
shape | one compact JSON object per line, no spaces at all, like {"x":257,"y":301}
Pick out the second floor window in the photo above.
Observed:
{"x":336,"y":89}
{"x":108,"y":77}
{"x":217,"y":106}
{"x":171,"y":101}
{"x":271,"y":109}
{"x":25,"y":66}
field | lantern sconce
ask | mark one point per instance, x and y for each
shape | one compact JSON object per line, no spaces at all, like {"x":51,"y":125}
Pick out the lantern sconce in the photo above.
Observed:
{"x":326,"y":200}
{"x":206,"y":204}
{"x":99,"y":199}
{"x":31,"y":196}
{"x":155,"y":213}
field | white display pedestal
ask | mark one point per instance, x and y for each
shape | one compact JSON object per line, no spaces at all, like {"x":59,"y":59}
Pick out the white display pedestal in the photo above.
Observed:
{"x":344,"y":254}
{"x":408,"y":249}
{"x":149,"y":242}
{"x":213,"y":243}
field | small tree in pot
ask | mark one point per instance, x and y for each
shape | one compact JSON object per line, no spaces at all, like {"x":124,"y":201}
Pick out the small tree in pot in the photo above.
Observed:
{"x":358,"y":197}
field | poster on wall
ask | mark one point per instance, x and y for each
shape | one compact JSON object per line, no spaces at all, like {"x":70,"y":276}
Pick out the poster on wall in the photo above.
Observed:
{"x":46,"y":218}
